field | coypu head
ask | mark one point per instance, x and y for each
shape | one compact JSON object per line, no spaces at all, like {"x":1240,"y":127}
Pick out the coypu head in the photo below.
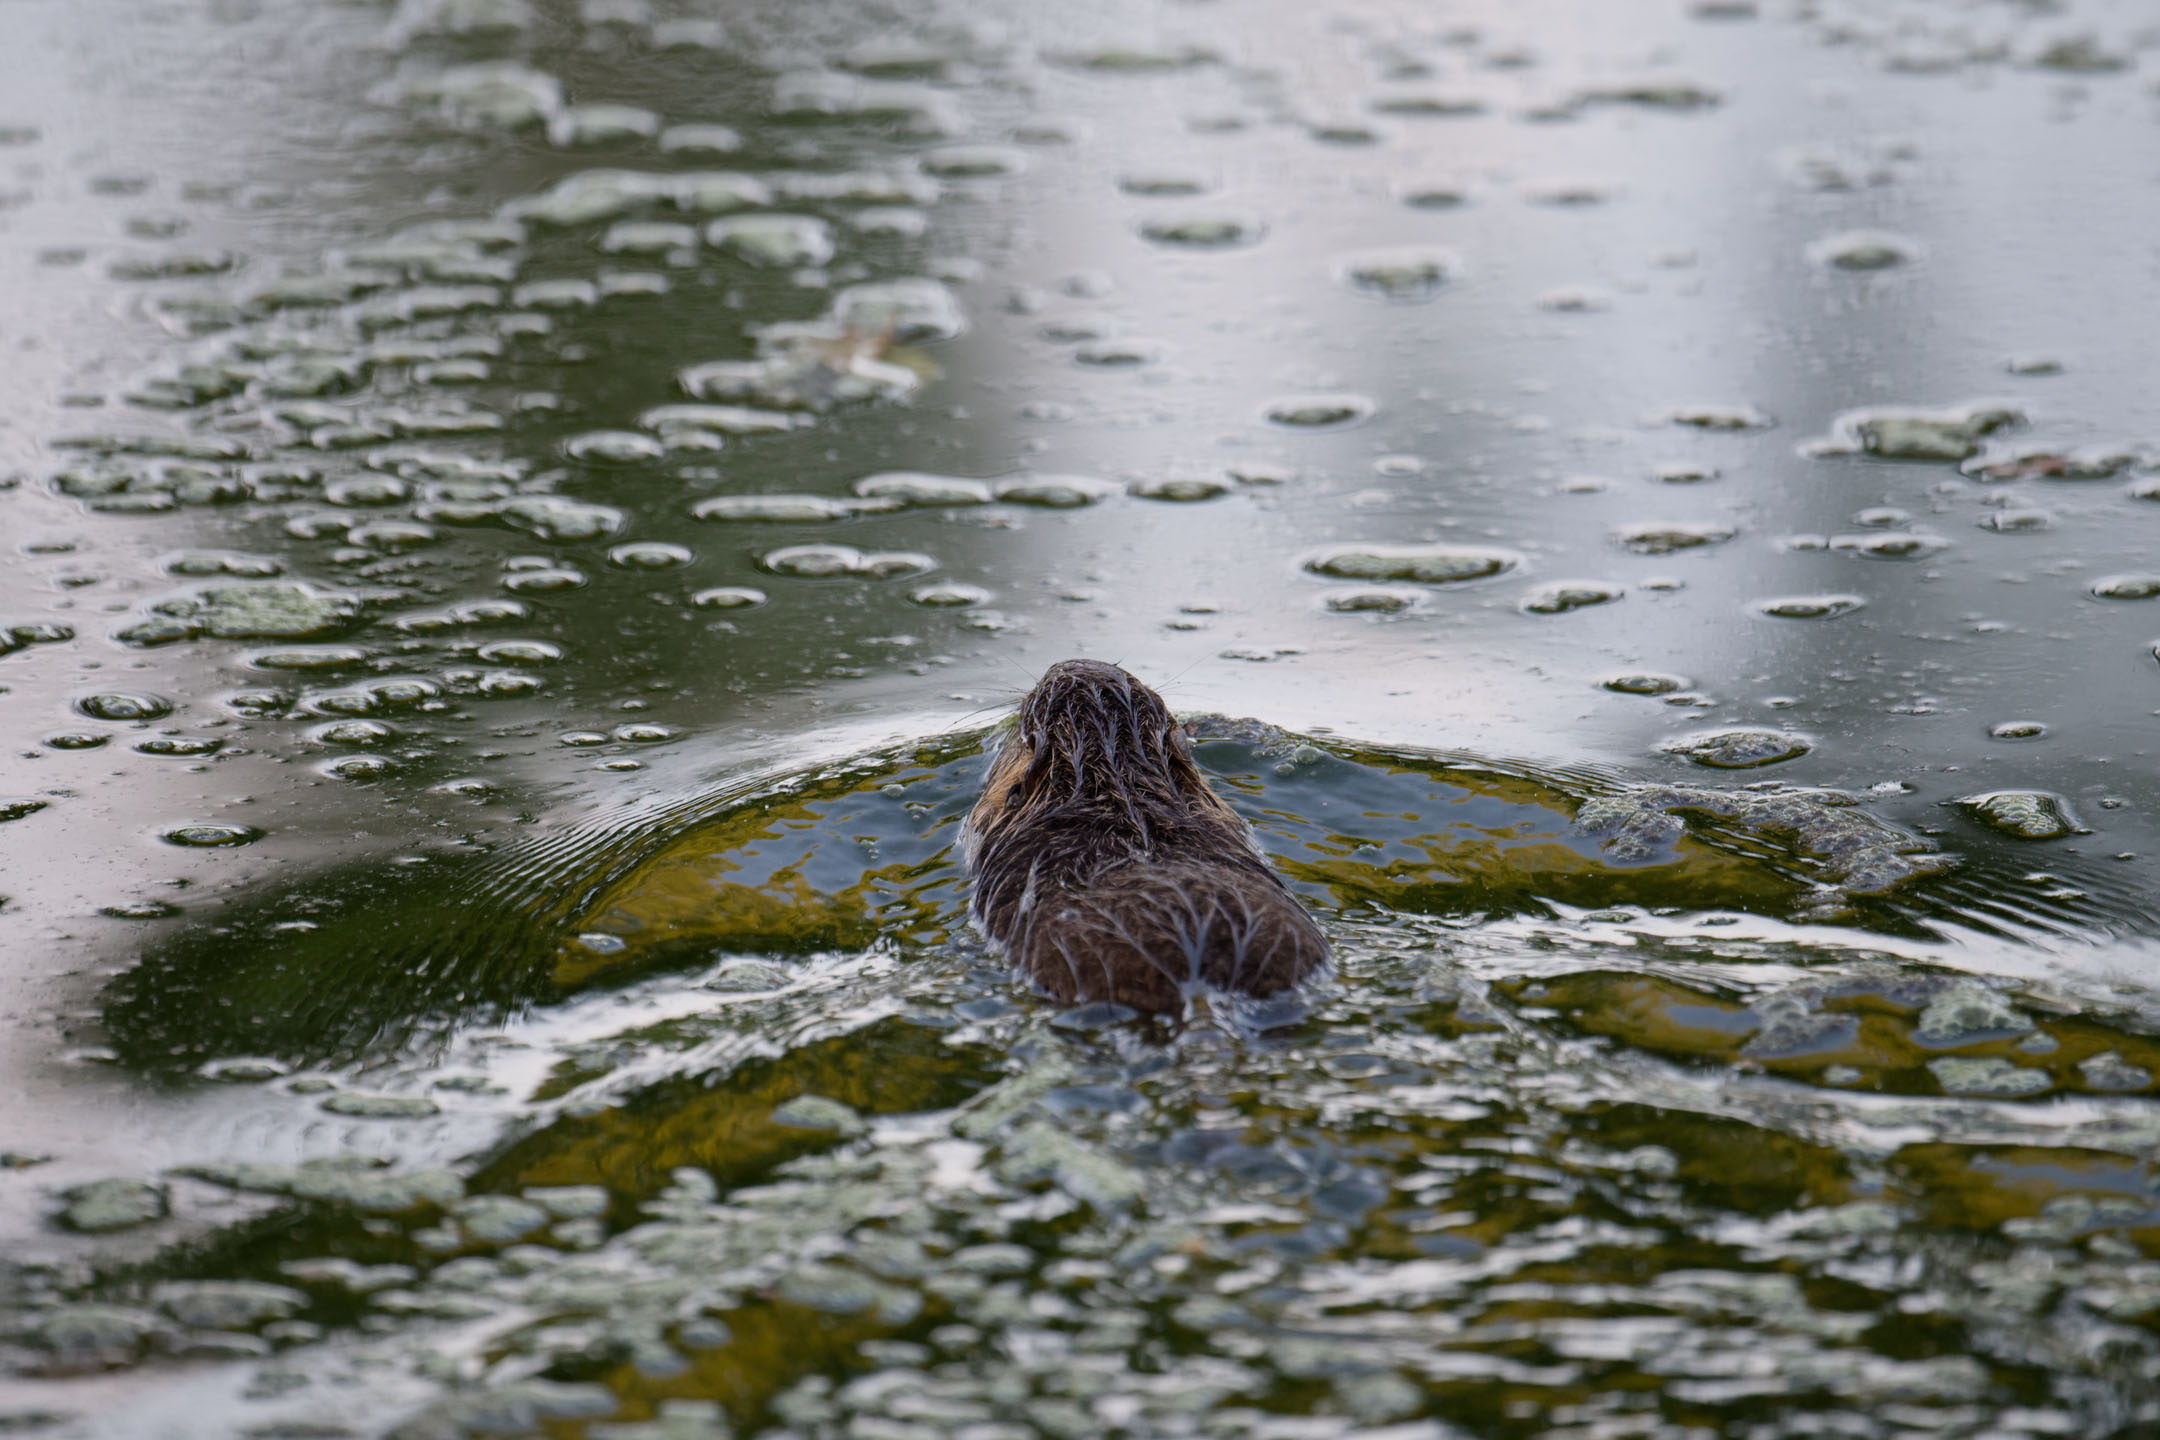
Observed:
{"x":1109,"y":870}
{"x":1089,"y":736}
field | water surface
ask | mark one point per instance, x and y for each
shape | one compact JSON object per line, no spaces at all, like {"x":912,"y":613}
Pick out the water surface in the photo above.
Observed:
{"x":520,"y":519}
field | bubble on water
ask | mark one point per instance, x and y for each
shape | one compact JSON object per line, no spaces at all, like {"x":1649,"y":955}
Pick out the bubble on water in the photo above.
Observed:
{"x":1684,"y":472}
{"x":1434,"y":194}
{"x":1561,"y":596}
{"x":353,"y":732}
{"x":697,"y":140}
{"x":2126,"y":587}
{"x":520,"y":652}
{"x":1369,"y":601}
{"x":1644,"y":682}
{"x":1574,"y":299}
{"x":210,"y":834}
{"x":556,"y":295}
{"x":773,"y":509}
{"x":593,"y":195}
{"x":2109,"y":1071}
{"x":950,"y":593}
{"x":1430,"y":105}
{"x":811,"y":95}
{"x":1055,"y":492}
{"x":258,"y":704}
{"x":176,"y":447}
{"x":1309,"y":412}
{"x":1899,"y":545}
{"x":356,"y":1105}
{"x":643,"y":733}
{"x":2034,"y":363}
{"x":543,"y":580}
{"x":23,"y":635}
{"x":1655,"y":92}
{"x":2017,"y":730}
{"x":787,"y":242}
{"x":911,"y":487}
{"x":265,"y":610}
{"x":1668,"y":539}
{"x":507,"y":684}
{"x":1183,"y":488}
{"x":582,"y":738}
{"x":358,"y":767}
{"x":1739,"y":749}
{"x":1810,"y":607}
{"x":648,"y":237}
{"x":124,"y":705}
{"x":728,"y":597}
{"x":854,"y":187}
{"x":1117,"y":354}
{"x":602,"y":125}
{"x":649,"y":555}
{"x":2042,"y":463}
{"x":896,"y":564}
{"x":97,"y":1208}
{"x":360,"y":701}
{"x":1133,"y":58}
{"x":1718,"y":417}
{"x":1426,"y":564}
{"x":899,"y":221}
{"x":308,"y":657}
{"x":1401,"y":273}
{"x":2080,"y":53}
{"x":814,"y":561}
{"x":16,"y":809}
{"x":1863,"y":250}
{"x":1899,"y":433}
{"x":1166,"y":184}
{"x":484,"y":96}
{"x":909,"y":311}
{"x":973,"y":162}
{"x":178,"y":265}
{"x":1987,"y":1075}
{"x":2018,"y":521}
{"x":393,"y":537}
{"x":1203,"y":231}
{"x":560,"y":520}
{"x":645,"y":283}
{"x":179,"y":745}
{"x":223,"y":562}
{"x":613,"y":447}
{"x":1571,"y":193}
{"x":2025,"y":814}
{"x":77,"y":739}
{"x":723,"y":420}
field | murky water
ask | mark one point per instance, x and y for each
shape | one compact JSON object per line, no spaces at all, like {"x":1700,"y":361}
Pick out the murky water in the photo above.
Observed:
{"x":519,"y":518}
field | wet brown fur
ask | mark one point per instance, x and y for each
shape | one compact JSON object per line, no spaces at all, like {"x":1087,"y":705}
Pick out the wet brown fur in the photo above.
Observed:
{"x":1108,"y":869}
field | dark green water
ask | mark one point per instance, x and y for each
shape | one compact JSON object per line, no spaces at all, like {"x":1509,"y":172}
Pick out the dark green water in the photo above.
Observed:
{"x":516,"y":521}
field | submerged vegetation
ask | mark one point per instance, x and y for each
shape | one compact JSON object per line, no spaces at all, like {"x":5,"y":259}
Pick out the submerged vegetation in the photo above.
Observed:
{"x":518,"y":516}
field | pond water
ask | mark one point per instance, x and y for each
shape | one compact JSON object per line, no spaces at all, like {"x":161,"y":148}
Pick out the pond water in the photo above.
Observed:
{"x":520,"y":519}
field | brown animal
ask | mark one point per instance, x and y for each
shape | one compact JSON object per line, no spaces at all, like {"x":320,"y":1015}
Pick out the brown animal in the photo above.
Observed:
{"x":1109,"y":871}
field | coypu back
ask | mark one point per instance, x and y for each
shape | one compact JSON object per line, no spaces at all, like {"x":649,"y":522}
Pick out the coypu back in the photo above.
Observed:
{"x":1108,"y":869}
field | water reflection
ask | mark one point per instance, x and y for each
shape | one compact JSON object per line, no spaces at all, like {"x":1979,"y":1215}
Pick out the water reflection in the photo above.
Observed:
{"x":466,"y":458}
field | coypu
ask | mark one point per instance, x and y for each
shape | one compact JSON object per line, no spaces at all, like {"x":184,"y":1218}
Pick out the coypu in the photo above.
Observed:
{"x":1108,"y":870}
